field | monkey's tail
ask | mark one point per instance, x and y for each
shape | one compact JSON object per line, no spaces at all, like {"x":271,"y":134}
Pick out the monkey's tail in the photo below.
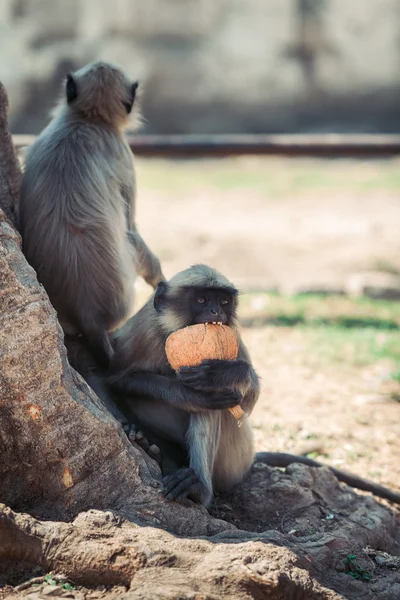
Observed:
{"x":281,"y":459}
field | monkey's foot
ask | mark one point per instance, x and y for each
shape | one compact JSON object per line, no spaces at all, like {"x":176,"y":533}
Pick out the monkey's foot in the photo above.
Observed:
{"x":182,"y":484}
{"x":135,"y":435}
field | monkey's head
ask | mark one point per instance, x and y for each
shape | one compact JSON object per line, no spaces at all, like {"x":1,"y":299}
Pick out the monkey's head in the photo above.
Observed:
{"x":101,"y":92}
{"x":197,"y":295}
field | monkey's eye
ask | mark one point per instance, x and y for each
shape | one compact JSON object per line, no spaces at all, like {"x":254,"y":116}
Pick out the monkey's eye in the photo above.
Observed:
{"x":200,"y":300}
{"x":224,"y":301}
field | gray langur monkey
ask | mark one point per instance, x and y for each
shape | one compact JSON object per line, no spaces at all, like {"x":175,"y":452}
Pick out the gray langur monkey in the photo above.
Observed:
{"x":77,"y":208}
{"x":184,"y":413}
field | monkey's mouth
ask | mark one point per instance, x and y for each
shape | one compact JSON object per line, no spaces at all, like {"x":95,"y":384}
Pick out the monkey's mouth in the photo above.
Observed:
{"x":210,"y":319}
{"x":209,"y":322}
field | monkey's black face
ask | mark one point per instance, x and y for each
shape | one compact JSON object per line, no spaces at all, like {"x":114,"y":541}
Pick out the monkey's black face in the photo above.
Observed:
{"x":207,"y":305}
{"x":191,"y":305}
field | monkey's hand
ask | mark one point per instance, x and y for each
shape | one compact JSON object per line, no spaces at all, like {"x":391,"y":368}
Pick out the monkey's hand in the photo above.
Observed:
{"x":213,"y":375}
{"x":215,"y":400}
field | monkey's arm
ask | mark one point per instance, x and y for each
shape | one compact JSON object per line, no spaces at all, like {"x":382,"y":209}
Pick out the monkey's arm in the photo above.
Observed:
{"x":148,"y":266}
{"x":213,"y":375}
{"x":281,"y":459}
{"x":173,"y":392}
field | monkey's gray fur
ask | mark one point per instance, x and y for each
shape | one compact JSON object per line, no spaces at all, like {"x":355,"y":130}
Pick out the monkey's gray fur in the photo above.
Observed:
{"x":77,"y":207}
{"x":168,"y":408}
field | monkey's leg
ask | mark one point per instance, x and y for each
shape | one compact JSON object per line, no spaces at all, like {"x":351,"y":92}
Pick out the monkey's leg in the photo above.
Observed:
{"x":160,"y":425}
{"x":156,"y":419}
{"x":99,"y":344}
{"x":148,"y":266}
{"x":82,"y":361}
{"x":235,"y":453}
{"x":195,"y":482}
{"x":96,"y":382}
{"x":135,"y":435}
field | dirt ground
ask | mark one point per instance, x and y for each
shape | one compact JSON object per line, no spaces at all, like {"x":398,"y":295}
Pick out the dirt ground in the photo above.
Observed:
{"x":273,"y":222}
{"x":283,"y":223}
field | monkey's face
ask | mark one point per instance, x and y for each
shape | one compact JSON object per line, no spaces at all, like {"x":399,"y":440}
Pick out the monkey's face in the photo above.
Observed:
{"x":207,"y":305}
{"x":192,"y":305}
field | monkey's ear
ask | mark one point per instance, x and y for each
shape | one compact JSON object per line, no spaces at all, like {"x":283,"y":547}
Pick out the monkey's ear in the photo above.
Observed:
{"x":160,"y":297}
{"x":128,"y":105}
{"x":70,"y":88}
{"x":134,"y":88}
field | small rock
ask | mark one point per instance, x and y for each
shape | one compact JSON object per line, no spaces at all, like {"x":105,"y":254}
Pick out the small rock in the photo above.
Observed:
{"x":52,"y":590}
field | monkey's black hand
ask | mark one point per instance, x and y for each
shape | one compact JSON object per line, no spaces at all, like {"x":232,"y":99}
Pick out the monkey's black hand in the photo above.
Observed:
{"x":216,"y":400}
{"x":212,"y":375}
{"x":184,"y":484}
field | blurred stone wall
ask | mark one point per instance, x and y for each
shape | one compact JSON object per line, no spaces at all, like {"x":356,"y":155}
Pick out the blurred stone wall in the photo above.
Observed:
{"x":214,"y":65}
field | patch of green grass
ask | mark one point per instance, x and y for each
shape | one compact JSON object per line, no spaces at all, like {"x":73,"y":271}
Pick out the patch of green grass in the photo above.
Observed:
{"x":322,"y":310}
{"x":68,"y":586}
{"x":313,"y":455}
{"x":359,"y":347}
{"x":395,"y":375}
{"x":272,"y":176}
{"x":49,"y":579}
{"x":335,"y":329}
{"x":355,"y":570}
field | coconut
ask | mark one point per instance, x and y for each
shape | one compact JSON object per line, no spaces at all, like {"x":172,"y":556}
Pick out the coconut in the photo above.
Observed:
{"x":189,"y":346}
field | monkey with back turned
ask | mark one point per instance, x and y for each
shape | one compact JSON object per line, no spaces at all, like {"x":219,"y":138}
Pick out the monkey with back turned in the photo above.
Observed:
{"x":184,"y":413}
{"x":77,"y":208}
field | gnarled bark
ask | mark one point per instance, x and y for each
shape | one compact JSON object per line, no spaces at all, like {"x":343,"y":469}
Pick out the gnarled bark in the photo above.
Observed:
{"x":100,"y":548}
